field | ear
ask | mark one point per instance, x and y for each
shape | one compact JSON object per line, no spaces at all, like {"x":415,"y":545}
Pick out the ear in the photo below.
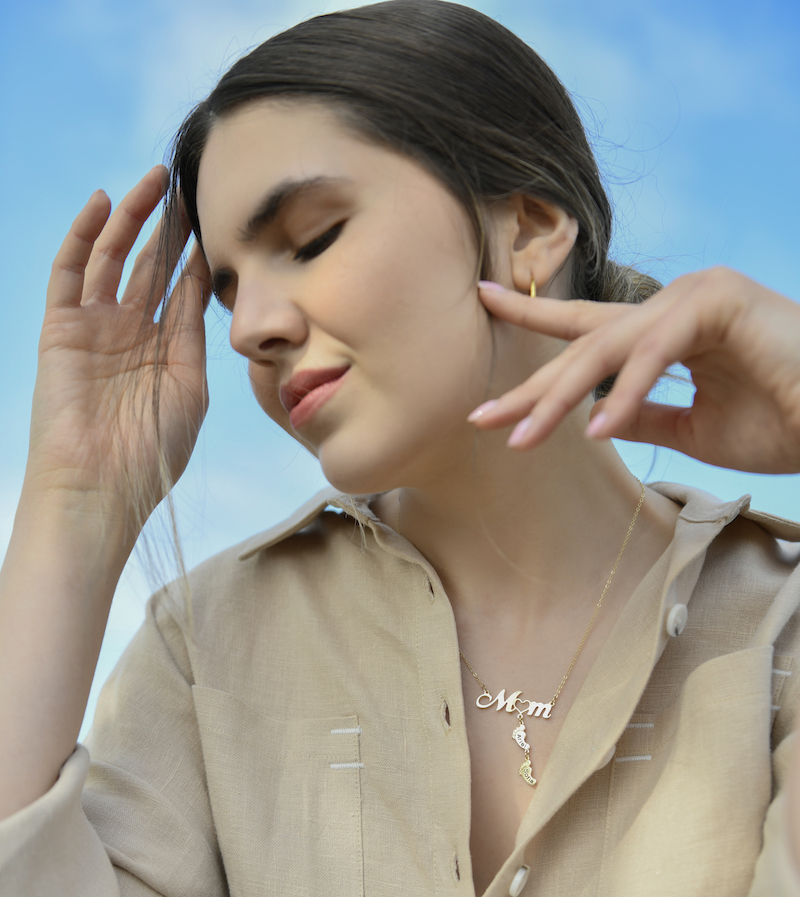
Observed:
{"x":539,"y":239}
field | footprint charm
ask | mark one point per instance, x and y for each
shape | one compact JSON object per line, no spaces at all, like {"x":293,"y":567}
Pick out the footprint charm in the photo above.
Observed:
{"x":525,"y":772}
{"x":519,"y":736}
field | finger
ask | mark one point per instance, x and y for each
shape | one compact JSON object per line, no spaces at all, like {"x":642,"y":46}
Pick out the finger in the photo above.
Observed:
{"x":191,"y":295}
{"x":656,"y":424}
{"x":162,"y":251}
{"x":514,"y":404}
{"x":184,"y":333}
{"x":675,"y":338}
{"x":203,"y":272}
{"x":641,"y":353}
{"x":564,"y":319}
{"x":558,"y":386}
{"x":111,"y":249}
{"x":65,"y":286}
{"x":564,"y":394}
{"x":655,"y":333}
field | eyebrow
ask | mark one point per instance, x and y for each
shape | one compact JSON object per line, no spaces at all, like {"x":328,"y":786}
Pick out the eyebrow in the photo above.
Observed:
{"x":269,"y":209}
{"x":277,"y":199}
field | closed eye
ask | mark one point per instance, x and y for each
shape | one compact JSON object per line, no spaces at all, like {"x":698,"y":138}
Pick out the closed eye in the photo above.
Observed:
{"x":221,"y":280}
{"x":318,"y":245}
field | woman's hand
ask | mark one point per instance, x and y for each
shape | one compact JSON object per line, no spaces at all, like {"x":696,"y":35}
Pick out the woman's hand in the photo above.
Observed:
{"x":93,"y":428}
{"x":100,"y":459}
{"x":739,"y":340}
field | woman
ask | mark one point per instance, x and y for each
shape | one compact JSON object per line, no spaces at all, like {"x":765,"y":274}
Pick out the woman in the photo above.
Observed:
{"x":526,"y":673}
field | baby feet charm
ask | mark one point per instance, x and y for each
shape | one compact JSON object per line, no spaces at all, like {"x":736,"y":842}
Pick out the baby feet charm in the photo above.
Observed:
{"x":519,"y":736}
{"x":526,"y":773}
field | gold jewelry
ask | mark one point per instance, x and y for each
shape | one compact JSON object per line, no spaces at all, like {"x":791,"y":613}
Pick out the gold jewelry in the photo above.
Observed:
{"x":511,"y":704}
{"x":533,"y":287}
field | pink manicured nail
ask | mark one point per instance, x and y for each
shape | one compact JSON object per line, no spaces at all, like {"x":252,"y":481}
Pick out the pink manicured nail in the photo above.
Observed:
{"x":481,"y":410}
{"x":522,"y":429}
{"x":491,"y":285}
{"x":596,"y":424}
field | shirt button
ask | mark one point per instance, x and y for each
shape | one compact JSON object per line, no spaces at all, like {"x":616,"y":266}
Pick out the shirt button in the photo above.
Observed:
{"x":518,"y":881}
{"x":676,"y":619}
{"x":607,"y":757}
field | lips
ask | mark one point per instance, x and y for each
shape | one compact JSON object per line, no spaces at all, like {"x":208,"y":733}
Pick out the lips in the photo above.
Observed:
{"x":308,"y":390}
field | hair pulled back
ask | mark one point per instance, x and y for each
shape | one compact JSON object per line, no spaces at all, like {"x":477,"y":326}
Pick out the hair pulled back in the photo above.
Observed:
{"x":450,"y":88}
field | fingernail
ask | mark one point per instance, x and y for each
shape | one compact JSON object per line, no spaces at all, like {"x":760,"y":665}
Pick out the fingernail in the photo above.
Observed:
{"x":596,"y":424}
{"x":482,"y":409}
{"x":522,"y":429}
{"x":491,"y":285}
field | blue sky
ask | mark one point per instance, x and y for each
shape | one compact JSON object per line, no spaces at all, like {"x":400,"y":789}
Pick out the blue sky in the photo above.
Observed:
{"x":695,"y":109}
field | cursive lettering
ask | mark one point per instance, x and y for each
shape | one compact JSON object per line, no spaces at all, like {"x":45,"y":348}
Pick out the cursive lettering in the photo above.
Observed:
{"x":508,"y":704}
{"x":536,"y":708}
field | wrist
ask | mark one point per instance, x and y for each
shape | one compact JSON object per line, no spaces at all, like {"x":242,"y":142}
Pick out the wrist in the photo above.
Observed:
{"x":96,"y":525}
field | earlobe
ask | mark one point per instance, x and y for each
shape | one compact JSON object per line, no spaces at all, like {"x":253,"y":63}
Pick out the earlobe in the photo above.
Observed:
{"x":543,"y":237}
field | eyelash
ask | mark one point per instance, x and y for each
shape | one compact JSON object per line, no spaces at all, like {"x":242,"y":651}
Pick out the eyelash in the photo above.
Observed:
{"x":304,"y":254}
{"x":319,"y":245}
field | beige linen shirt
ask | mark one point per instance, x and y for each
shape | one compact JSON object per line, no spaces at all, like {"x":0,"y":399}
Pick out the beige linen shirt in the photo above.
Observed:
{"x":301,"y":731}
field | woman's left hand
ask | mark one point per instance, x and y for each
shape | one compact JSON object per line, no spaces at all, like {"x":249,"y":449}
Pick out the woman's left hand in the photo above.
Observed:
{"x":739,"y":340}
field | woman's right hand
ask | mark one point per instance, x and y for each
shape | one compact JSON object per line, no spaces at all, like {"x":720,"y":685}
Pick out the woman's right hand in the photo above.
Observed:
{"x":103,"y":363}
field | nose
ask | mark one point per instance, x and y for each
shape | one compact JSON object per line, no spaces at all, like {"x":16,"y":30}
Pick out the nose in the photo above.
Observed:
{"x":266,"y":321}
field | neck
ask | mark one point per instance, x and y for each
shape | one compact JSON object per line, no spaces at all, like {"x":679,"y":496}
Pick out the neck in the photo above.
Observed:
{"x":530,"y":534}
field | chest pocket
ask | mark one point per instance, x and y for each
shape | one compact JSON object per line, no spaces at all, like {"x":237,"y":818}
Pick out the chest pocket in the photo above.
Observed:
{"x":286,"y":798}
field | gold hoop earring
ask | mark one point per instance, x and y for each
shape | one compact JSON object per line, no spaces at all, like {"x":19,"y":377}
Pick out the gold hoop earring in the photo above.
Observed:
{"x":533,"y":287}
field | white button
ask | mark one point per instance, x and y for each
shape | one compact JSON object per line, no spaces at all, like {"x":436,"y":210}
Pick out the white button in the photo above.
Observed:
{"x":676,"y":619}
{"x":518,"y":881}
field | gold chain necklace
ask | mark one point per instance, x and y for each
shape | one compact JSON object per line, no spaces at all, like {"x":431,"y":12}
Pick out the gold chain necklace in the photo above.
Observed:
{"x":511,"y":703}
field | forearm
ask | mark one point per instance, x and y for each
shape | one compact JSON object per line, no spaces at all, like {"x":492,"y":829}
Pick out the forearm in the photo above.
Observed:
{"x":64,"y":560}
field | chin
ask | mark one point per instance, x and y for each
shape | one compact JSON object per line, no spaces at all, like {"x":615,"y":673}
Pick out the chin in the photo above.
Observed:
{"x":358,"y":479}
{"x":364,"y":469}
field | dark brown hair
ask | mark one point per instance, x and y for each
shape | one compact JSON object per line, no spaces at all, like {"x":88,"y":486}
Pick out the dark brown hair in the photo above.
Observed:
{"x":452,"y":89}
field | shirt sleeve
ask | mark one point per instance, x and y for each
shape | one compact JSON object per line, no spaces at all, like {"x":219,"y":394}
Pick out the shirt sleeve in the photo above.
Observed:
{"x":137,"y":819}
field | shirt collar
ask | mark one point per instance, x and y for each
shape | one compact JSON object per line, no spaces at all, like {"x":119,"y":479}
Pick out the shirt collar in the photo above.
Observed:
{"x":698,"y":507}
{"x":355,"y":506}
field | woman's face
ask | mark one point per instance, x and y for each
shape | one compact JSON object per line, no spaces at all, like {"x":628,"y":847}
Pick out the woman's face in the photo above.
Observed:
{"x":350,"y":273}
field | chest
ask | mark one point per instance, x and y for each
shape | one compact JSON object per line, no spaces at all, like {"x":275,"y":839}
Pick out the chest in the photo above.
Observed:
{"x":510,"y":741}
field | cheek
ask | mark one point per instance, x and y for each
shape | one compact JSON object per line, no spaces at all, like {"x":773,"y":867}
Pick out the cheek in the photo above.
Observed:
{"x":264,"y":383}
{"x":401,"y":282}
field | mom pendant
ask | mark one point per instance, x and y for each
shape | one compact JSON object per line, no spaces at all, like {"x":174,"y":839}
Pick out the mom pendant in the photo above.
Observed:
{"x":510,"y":704}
